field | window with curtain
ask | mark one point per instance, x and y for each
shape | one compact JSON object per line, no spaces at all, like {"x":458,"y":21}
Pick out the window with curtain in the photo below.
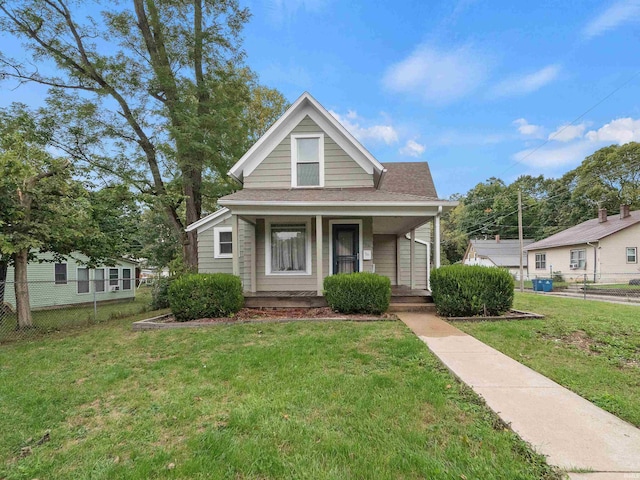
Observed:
{"x":288,"y":248}
{"x":578,"y":259}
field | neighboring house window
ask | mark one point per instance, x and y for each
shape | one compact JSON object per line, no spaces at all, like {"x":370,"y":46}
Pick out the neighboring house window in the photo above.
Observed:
{"x":222,"y":244}
{"x":307,"y":160}
{"x":578,"y":260}
{"x":541,"y":261}
{"x":98,"y":279}
{"x":632,"y":255}
{"x":126,"y":279}
{"x":83,"y":280}
{"x":113,"y":277}
{"x":288,"y":249}
{"x":60,"y":275}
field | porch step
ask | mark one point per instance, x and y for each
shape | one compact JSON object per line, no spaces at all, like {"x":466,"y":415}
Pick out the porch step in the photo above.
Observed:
{"x":284,"y":302}
{"x":411,"y":307}
{"x":411,"y":299}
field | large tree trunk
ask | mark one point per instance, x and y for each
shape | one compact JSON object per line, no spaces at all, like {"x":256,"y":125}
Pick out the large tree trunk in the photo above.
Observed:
{"x":23,"y":308}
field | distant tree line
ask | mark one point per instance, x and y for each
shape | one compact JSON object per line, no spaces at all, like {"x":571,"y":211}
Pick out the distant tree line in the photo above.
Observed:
{"x":606,"y":179}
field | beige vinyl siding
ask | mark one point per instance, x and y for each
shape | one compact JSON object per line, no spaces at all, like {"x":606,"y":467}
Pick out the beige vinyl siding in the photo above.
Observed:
{"x":420,"y":265}
{"x":384,"y":256}
{"x":207,"y":263}
{"x":340,"y":169}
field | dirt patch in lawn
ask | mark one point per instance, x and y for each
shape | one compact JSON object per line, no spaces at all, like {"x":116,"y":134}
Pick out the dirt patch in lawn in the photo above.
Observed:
{"x":510,"y":315}
{"x":579,"y":339}
{"x":250,"y":315}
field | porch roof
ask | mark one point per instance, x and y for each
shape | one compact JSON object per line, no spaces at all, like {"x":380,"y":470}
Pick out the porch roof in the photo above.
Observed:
{"x":327,"y":196}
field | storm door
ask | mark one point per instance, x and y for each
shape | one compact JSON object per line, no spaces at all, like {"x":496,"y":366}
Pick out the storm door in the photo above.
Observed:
{"x":346,"y":243}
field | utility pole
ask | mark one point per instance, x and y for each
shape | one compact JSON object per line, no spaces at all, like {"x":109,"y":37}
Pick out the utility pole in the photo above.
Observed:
{"x":521,"y":239}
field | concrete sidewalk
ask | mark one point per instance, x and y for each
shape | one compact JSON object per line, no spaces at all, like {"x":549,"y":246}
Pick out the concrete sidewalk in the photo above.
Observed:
{"x":573,"y":433}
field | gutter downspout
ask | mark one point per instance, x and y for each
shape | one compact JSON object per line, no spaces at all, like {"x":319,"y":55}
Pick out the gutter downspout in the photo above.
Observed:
{"x":595,"y":258}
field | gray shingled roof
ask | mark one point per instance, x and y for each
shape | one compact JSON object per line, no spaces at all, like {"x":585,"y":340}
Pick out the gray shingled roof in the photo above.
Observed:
{"x":322,"y":195}
{"x":589,"y":231}
{"x":505,"y":253}
{"x":409,"y":177}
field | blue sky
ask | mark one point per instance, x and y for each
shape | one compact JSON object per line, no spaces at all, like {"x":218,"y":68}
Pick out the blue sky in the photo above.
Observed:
{"x":470,"y":86}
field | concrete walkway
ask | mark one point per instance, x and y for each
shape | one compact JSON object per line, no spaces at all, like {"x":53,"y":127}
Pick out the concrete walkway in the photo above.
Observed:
{"x":573,"y":433}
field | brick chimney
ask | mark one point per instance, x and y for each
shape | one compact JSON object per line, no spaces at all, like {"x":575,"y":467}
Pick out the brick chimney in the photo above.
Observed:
{"x":602,"y":215}
{"x":624,"y":211}
{"x":497,"y":238}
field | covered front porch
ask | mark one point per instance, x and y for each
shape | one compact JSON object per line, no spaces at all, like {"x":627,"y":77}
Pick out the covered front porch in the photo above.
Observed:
{"x":287,"y":254}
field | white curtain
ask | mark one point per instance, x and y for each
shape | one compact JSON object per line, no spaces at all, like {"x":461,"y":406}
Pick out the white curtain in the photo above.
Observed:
{"x":288,"y":248}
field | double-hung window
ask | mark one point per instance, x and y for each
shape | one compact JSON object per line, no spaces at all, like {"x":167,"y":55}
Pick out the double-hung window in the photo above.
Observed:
{"x":83,"y":280}
{"x":98,"y":279}
{"x":307,"y":160}
{"x":632,"y":255}
{"x":541,"y":261}
{"x":578,"y":259}
{"x":60,"y":273}
{"x":288,"y":249}
{"x":222,"y":242}
{"x":126,"y":279}
{"x":113,"y":277}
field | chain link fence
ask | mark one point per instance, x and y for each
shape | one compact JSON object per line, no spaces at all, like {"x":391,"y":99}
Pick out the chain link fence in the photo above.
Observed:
{"x":598,"y":286}
{"x":55,"y":306}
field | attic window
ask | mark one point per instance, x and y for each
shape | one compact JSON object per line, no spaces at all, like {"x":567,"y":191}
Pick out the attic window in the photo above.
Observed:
{"x":307,"y":160}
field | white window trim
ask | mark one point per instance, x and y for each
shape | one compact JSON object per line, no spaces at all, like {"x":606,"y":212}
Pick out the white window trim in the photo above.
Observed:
{"x":578,"y":258}
{"x":626,"y":251}
{"x":294,"y":158}
{"x":267,"y":246}
{"x":104,"y":281}
{"x":360,"y":241}
{"x":109,"y":279}
{"x":535,"y":261}
{"x":216,"y":243}
{"x":122,"y":279}
{"x":78,"y":281}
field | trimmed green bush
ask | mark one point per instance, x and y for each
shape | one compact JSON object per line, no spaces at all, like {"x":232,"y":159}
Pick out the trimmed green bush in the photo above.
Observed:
{"x":205,"y":295}
{"x":466,"y":291}
{"x":361,"y":292}
{"x":160,"y":292}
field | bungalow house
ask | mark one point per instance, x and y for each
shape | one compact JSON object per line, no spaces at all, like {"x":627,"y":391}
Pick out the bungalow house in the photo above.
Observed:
{"x":314,"y":202}
{"x":604,"y":248}
{"x":55,"y":284}
{"x":497,"y":253}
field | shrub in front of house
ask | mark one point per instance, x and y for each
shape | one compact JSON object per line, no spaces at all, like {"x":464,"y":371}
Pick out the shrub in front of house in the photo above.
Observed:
{"x":160,"y":293}
{"x":471,"y":290}
{"x":360,"y":292}
{"x":205,"y":295}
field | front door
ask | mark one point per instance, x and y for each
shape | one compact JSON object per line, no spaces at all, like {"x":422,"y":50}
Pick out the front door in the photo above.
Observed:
{"x":346,"y":248}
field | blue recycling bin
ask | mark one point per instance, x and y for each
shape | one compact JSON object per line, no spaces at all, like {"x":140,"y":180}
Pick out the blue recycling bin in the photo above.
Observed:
{"x":547,"y":285}
{"x":537,"y":285}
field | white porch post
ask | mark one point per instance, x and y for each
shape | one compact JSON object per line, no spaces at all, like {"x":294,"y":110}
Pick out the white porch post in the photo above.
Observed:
{"x":319,"y":275}
{"x":235,"y":249}
{"x":254,"y":262}
{"x":412,"y":259}
{"x":436,"y":239}
{"x":398,"y":258}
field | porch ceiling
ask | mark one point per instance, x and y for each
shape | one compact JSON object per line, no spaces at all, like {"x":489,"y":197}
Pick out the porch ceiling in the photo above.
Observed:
{"x":397,"y":225}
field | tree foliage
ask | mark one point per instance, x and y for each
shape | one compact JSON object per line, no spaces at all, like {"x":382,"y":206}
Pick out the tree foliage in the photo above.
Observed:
{"x":154,"y":92}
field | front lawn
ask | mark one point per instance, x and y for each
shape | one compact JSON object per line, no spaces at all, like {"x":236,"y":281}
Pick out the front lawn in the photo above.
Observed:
{"x":590,"y":347}
{"x":296,"y":400}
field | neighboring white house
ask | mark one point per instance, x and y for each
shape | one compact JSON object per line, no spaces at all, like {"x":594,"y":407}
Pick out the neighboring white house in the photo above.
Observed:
{"x":497,"y":252}
{"x":605,"y":249}
{"x":314,"y":202}
{"x":54,"y":284}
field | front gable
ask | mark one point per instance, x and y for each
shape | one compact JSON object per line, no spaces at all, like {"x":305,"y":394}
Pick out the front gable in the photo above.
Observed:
{"x":339,"y":170}
{"x":344,"y":162}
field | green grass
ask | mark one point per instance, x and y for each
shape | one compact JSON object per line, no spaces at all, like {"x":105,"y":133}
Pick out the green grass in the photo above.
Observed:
{"x":590,"y":347}
{"x":46,"y":321}
{"x":253,"y":401}
{"x":616,"y":286}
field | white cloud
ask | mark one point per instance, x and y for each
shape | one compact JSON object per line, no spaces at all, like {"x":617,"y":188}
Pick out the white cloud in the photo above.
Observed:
{"x":412,"y":149}
{"x":621,"y":130}
{"x":523,"y":84}
{"x":377,"y":133}
{"x":566,"y":133}
{"x":527,"y":129}
{"x":438,"y":76}
{"x":551,"y":158}
{"x":617,"y":14}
